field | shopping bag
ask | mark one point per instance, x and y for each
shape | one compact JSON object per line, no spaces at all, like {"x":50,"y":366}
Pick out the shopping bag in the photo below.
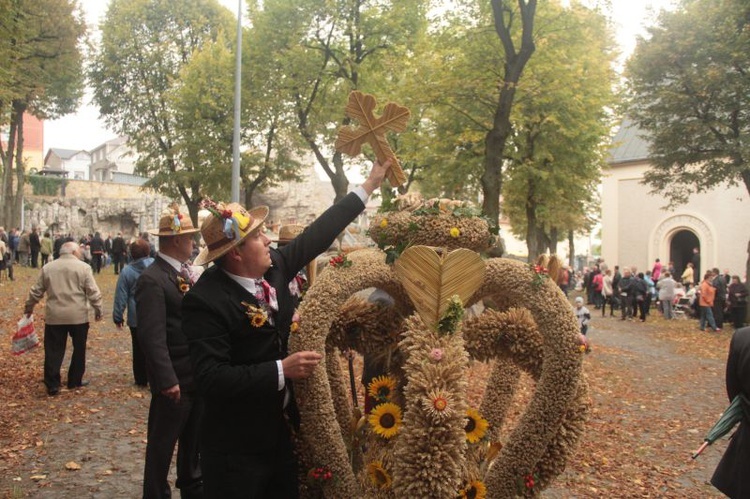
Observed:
{"x":25,"y":338}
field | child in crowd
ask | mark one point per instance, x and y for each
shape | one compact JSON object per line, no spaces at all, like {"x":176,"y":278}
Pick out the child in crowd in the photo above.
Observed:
{"x":583,"y":315}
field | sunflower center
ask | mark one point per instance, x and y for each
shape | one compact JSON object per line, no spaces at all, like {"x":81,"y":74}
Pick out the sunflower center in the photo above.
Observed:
{"x":384,"y":392}
{"x":471,"y":492}
{"x":387,"y":420}
{"x":470,"y":425}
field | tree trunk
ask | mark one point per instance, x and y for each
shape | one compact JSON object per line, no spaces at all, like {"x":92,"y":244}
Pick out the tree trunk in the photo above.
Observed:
{"x":338,"y":180}
{"x":532,"y":241}
{"x":571,"y":250}
{"x":553,"y":241}
{"x":7,"y":181}
{"x":492,"y":178}
{"x":18,"y":218}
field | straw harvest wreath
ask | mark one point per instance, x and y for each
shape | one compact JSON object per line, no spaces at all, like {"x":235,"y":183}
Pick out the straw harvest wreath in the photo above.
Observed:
{"x":422,"y":439}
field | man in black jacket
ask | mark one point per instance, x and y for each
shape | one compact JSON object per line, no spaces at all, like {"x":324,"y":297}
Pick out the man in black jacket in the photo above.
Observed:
{"x":119,"y":253}
{"x":96,"y":245}
{"x":175,"y":411}
{"x":731,"y":475}
{"x":237,"y":320}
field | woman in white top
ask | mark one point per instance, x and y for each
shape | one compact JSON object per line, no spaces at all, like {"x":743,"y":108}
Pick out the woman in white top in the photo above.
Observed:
{"x":607,"y":292}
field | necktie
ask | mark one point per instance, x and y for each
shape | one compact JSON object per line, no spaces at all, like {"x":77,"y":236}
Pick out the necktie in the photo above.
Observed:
{"x":266,"y":294}
{"x":185,"y":273}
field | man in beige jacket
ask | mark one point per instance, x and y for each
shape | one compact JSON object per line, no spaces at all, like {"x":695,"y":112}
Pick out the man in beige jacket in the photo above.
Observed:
{"x":70,"y":287}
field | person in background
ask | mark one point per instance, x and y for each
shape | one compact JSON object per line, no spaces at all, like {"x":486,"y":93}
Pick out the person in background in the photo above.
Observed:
{"x":238,"y":319}
{"x":119,"y":253}
{"x":696,"y":261}
{"x":70,"y":287}
{"x":125,"y":299}
{"x":706,"y":302}
{"x":35,"y":245}
{"x":563,"y":279}
{"x":583,"y":315}
{"x":7,"y":255}
{"x":737,"y":302}
{"x":608,"y":293}
{"x":175,"y":412}
{"x":46,"y":248}
{"x":96,"y":246}
{"x":720,"y":301}
{"x":666,"y":286}
{"x":650,"y":291}
{"x":731,"y":476}
{"x":656,"y":271}
{"x":687,"y":277}
{"x":24,"y":245}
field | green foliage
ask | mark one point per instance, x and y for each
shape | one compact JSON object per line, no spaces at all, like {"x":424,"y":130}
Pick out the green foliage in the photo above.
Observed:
{"x":688,"y":88}
{"x":562,"y":122}
{"x":452,"y":317}
{"x":45,"y":186}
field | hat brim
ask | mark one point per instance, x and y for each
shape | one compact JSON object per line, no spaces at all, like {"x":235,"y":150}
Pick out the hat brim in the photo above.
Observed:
{"x":207,"y":256}
{"x":156,"y":232}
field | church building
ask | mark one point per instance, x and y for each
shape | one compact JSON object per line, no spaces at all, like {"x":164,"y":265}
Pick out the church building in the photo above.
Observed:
{"x":637,"y":228}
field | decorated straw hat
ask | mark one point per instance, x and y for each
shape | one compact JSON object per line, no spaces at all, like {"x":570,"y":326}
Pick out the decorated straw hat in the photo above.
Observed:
{"x":173,"y":223}
{"x":225,"y":227}
{"x":288,"y":232}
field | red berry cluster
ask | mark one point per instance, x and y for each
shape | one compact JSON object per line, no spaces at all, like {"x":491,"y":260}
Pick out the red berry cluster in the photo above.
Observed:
{"x":321,"y":473}
{"x":528,"y":480}
{"x":541,"y":270}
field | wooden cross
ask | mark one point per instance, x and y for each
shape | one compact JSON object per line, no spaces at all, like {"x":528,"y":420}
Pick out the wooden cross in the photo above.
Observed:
{"x":372,"y":130}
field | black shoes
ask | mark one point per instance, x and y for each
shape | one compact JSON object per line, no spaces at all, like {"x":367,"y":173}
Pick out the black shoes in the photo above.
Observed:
{"x":53,"y":391}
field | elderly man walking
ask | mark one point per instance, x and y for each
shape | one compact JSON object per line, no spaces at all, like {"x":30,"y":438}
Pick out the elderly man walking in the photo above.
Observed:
{"x":70,"y":288}
{"x":175,"y":411}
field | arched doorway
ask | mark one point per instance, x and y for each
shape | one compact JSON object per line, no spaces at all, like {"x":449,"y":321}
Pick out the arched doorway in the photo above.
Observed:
{"x":681,"y":251}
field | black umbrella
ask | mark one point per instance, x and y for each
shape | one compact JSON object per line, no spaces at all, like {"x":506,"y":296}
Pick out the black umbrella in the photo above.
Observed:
{"x":736,"y":412}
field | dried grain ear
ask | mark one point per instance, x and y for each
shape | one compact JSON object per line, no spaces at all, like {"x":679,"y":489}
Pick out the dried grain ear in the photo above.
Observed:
{"x":553,"y":267}
{"x":431,"y":279}
{"x":372,"y":130}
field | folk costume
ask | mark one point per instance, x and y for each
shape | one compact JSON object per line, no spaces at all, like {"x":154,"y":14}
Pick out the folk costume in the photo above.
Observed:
{"x":158,"y":296}
{"x":238,"y":330}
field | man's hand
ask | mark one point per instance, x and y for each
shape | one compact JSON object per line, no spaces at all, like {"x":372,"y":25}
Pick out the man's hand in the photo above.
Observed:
{"x":300,"y":365}
{"x":172,"y":393}
{"x":97,"y":316}
{"x":119,"y":325}
{"x":377,"y":174}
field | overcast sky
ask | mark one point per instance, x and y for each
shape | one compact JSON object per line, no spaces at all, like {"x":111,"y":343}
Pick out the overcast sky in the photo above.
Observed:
{"x":84,"y":130}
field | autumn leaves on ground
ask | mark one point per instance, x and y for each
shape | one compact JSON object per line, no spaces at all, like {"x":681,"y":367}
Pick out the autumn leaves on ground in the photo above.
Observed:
{"x":656,"y":388}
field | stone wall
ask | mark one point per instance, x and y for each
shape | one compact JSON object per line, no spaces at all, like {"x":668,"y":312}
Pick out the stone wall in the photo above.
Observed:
{"x":86,"y":207}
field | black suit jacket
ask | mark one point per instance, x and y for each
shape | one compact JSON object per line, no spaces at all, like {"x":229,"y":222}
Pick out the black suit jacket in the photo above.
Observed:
{"x":158,"y":303}
{"x":731,"y":475}
{"x":234,"y":362}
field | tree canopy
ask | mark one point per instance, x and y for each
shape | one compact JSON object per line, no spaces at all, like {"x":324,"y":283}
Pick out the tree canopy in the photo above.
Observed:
{"x":689,"y":83}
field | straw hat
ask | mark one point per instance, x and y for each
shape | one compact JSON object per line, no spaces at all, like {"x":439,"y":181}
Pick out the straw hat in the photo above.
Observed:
{"x":173,"y":223}
{"x":226,"y":227}
{"x":288,"y":232}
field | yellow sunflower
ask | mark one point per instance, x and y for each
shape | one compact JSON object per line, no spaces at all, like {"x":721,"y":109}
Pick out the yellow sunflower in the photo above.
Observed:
{"x":455,"y":232}
{"x":381,"y":388}
{"x":476,"y":426}
{"x":257,"y":320}
{"x":474,"y":490}
{"x":385,"y":419}
{"x":384,"y":223}
{"x":379,"y":477}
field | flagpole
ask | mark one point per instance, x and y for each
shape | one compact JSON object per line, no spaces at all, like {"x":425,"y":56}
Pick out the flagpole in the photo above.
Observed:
{"x":237,"y":103}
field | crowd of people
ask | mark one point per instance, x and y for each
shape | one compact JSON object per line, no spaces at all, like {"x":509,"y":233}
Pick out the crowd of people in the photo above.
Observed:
{"x":716,"y":299}
{"x":211,"y":346}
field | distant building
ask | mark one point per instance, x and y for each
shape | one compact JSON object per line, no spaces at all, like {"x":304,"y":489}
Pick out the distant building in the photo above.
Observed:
{"x":637,"y":229}
{"x":112,"y":158}
{"x":33,"y":142}
{"x":67,"y":163}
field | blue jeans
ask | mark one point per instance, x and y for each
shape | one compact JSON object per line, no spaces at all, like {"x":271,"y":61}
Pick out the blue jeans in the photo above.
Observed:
{"x":707,"y":314}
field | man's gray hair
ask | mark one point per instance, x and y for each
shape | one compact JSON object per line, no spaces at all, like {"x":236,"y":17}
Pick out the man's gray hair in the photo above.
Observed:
{"x":68,"y":248}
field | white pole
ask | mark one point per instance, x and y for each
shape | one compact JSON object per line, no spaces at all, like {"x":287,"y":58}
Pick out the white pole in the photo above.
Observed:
{"x":237,"y":103}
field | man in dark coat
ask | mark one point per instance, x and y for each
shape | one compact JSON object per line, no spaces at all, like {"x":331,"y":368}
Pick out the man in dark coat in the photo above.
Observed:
{"x":720,"y":300}
{"x":119,"y":253}
{"x":237,"y":320}
{"x":175,"y":411}
{"x":96,"y":245}
{"x":731,"y":476}
{"x":35,"y":244}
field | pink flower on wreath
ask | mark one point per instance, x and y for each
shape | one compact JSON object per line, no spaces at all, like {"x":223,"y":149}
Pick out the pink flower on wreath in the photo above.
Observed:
{"x":436,"y":354}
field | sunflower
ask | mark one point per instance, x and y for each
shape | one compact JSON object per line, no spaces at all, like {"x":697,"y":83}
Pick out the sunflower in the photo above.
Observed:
{"x":385,"y":419}
{"x":384,"y":223}
{"x":476,"y":426}
{"x":379,"y":477}
{"x":455,"y":232}
{"x":381,"y":388}
{"x":257,"y":315}
{"x":474,"y":490}
{"x":257,"y":320}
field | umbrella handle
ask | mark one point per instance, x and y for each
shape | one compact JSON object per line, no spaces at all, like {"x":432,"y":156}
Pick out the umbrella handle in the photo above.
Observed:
{"x":701,"y":449}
